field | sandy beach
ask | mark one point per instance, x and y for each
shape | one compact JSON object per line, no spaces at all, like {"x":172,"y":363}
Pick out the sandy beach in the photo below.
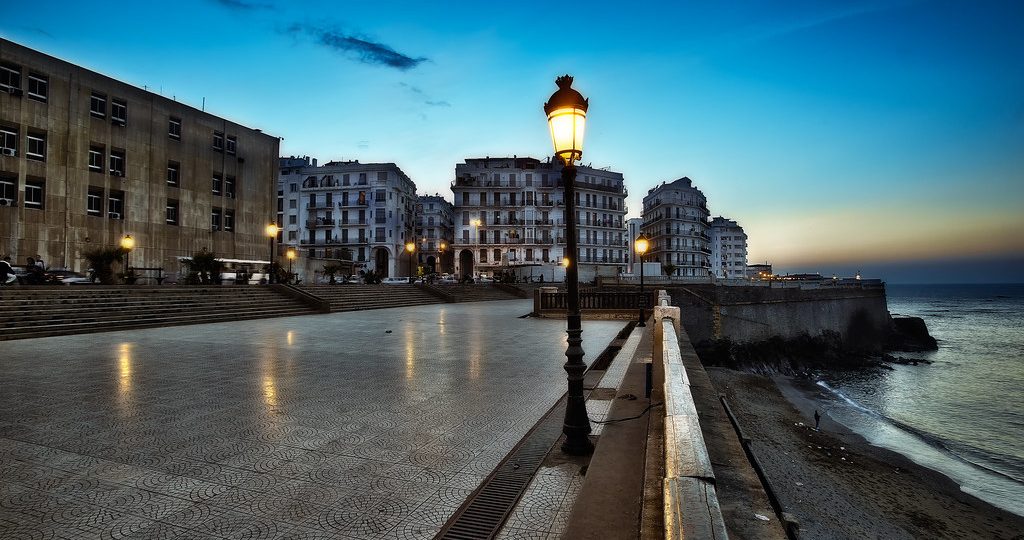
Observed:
{"x":838,"y":485}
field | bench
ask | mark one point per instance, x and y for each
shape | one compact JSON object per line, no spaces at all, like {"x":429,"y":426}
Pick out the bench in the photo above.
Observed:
{"x":156,"y":274}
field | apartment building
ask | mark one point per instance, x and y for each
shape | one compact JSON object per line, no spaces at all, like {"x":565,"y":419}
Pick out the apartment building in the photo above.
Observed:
{"x":86,"y":159}
{"x":435,"y":231}
{"x":347,"y":209}
{"x":728,"y":249}
{"x":676,"y":222}
{"x":510,"y":214}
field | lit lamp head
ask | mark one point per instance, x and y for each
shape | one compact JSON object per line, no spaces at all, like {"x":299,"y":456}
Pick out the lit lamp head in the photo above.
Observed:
{"x":475,"y":222}
{"x":565,"y":261}
{"x":128,"y":243}
{"x":641,"y":244}
{"x":443,"y":246}
{"x":291,"y":253}
{"x":410,"y":247}
{"x":272,"y":230}
{"x":567,"y":117}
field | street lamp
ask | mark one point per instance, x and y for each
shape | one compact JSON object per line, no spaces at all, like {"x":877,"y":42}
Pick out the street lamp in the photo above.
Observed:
{"x":440,"y":255}
{"x":567,"y":112}
{"x":410,"y":247}
{"x":291,"y":257}
{"x":640,"y":246}
{"x":272,"y":230}
{"x":127,"y":244}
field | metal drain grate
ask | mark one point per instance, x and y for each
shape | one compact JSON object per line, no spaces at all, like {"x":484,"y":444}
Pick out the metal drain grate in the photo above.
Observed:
{"x":483,"y":514}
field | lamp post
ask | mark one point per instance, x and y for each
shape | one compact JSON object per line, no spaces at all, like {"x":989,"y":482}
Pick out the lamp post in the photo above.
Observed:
{"x":640,"y":246}
{"x":410,"y":247}
{"x":291,"y":257}
{"x":127,"y":244}
{"x":272,"y":233}
{"x":440,"y":256}
{"x":567,"y":112}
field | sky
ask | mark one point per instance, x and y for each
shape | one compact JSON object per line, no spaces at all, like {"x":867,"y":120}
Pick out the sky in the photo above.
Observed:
{"x":840,"y":135}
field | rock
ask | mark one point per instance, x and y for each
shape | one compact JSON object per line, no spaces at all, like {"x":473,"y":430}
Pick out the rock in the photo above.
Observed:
{"x":911,"y":334}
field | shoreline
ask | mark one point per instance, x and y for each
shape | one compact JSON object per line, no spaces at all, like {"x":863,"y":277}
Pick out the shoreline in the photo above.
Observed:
{"x":838,"y":485}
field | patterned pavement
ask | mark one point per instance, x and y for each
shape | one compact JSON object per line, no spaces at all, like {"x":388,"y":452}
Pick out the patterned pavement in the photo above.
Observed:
{"x":323,"y":426}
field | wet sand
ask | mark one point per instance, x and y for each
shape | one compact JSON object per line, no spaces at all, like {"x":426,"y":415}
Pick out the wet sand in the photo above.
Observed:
{"x":840,"y":486}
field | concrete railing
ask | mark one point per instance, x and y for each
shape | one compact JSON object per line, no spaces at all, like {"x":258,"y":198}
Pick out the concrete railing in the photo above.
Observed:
{"x":690,"y":501}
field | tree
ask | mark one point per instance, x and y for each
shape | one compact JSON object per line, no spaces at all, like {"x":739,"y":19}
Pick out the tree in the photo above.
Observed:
{"x":102,"y":260}
{"x":331,"y":269}
{"x":669,"y":269}
{"x":203,"y":268}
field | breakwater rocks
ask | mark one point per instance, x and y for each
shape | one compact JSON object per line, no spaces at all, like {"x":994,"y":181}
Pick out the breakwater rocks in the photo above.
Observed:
{"x":910,"y":334}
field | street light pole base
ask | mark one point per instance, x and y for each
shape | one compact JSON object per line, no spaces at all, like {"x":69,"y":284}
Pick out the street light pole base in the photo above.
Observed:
{"x":576,"y":446}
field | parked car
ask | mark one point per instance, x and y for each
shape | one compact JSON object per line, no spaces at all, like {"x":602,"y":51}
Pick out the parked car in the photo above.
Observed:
{"x":66,"y":277}
{"x":395,"y":281}
{"x":448,"y":280}
{"x":484,"y":279}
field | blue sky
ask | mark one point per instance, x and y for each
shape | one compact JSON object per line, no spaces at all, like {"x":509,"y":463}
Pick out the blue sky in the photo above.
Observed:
{"x":841,"y":135}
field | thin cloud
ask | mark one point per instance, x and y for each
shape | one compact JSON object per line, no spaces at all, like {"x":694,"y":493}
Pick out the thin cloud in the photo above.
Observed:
{"x":243,"y":5}
{"x":359,"y":48}
{"x":422,"y":95}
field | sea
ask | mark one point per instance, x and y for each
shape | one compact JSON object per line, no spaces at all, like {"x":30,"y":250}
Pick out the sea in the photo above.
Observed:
{"x":963,"y":414}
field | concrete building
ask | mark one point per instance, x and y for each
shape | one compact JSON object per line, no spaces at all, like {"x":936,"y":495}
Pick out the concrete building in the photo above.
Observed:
{"x":509,"y":214}
{"x":728,"y":249}
{"x":676,"y":222}
{"x":364,"y":208}
{"x":759,"y":272}
{"x":634,"y":226}
{"x":435,"y":231}
{"x":86,"y":159}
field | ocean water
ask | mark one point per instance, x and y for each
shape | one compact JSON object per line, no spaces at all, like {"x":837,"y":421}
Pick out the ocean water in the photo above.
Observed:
{"x":963,"y":415}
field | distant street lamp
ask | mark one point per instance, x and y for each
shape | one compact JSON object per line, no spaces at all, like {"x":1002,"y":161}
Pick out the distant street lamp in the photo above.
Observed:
{"x":291,"y":254}
{"x":567,"y":112}
{"x":440,"y":256}
{"x":127,"y":244}
{"x":640,"y":246}
{"x":410,"y":247}
{"x":272,"y":230}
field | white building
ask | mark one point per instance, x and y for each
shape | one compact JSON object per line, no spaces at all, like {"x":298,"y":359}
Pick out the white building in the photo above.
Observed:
{"x":509,"y":214}
{"x":728,"y":249}
{"x":676,"y":222}
{"x":364,"y":208}
{"x":634,"y":227}
{"x":435,"y":230}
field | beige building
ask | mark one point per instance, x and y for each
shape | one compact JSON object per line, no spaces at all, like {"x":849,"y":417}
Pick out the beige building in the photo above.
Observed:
{"x":728,"y":249}
{"x":86,"y":159}
{"x":676,"y":223}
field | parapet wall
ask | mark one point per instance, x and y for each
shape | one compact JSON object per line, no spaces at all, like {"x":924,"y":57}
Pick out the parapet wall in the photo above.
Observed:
{"x":750,"y":314}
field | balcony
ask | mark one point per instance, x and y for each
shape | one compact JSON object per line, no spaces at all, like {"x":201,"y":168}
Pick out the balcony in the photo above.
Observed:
{"x":352,"y":204}
{"x":320,"y":205}
{"x":319,"y":222}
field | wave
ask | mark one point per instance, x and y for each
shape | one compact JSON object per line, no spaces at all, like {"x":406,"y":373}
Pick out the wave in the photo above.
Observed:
{"x":928,"y":438}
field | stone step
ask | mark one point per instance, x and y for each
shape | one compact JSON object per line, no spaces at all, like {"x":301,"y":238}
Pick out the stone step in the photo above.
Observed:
{"x":115,"y":312}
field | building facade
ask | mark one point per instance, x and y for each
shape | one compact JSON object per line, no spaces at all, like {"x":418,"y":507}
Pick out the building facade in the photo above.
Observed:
{"x":762,"y":272}
{"x":347,"y":210}
{"x":676,"y":222}
{"x":435,"y":231}
{"x":634,"y":226}
{"x":510,"y":214}
{"x":86,"y":159}
{"x":728,"y":249}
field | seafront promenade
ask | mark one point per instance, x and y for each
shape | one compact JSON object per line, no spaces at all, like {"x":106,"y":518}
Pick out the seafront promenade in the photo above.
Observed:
{"x":374,"y":424}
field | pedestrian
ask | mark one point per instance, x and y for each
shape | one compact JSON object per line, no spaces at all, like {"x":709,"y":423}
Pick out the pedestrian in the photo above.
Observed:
{"x":817,"y":420}
{"x":33,"y":274}
{"x":39,"y":262}
{"x":6,"y":271}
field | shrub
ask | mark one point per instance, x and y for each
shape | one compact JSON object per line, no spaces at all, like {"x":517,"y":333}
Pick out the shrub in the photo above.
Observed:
{"x":102,"y":260}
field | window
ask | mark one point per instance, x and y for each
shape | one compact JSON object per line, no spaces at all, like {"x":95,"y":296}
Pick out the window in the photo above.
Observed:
{"x":218,"y":141}
{"x":382,"y":176}
{"x":96,"y":157}
{"x":8,"y":189}
{"x":117,"y":162}
{"x":379,"y":235}
{"x":362,"y":179}
{"x":94,"y":201}
{"x":38,"y":87}
{"x":292,"y":235}
{"x":172,"y":212}
{"x":36,"y":146}
{"x":218,"y":181}
{"x":293,"y":220}
{"x":173,"y":173}
{"x":293,"y":204}
{"x":119,"y":111}
{"x":35,"y":194}
{"x":215,"y":219}
{"x":380,"y":195}
{"x":483,"y":255}
{"x":10,"y":78}
{"x":174,"y":128}
{"x":115,"y":205}
{"x":229,"y":187}
{"x":8,"y":141}
{"x":98,"y":105}
{"x":229,"y":220}
{"x":293,"y":188}
{"x":232,"y":144}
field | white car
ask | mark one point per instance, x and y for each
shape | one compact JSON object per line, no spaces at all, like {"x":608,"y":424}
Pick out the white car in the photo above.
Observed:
{"x":395,"y":281}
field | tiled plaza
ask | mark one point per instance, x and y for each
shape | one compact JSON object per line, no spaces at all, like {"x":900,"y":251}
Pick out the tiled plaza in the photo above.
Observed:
{"x":374,"y":424}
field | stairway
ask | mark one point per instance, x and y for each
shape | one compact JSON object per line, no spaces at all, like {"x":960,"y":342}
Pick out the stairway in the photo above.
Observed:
{"x":355,"y":297}
{"x":27,"y":312}
{"x":475,"y":292}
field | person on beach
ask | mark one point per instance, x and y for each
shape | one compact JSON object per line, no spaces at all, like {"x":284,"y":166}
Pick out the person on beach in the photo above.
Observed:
{"x":817,"y":420}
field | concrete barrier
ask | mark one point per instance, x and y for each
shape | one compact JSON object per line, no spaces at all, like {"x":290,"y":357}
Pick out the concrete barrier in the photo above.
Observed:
{"x":690,"y":501}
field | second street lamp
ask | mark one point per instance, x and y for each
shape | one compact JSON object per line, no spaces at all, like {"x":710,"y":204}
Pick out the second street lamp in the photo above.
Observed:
{"x":410,"y":247}
{"x":128,"y":244}
{"x":291,"y":257}
{"x":271,"y":231}
{"x":567,"y":113}
{"x":640,"y":246}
